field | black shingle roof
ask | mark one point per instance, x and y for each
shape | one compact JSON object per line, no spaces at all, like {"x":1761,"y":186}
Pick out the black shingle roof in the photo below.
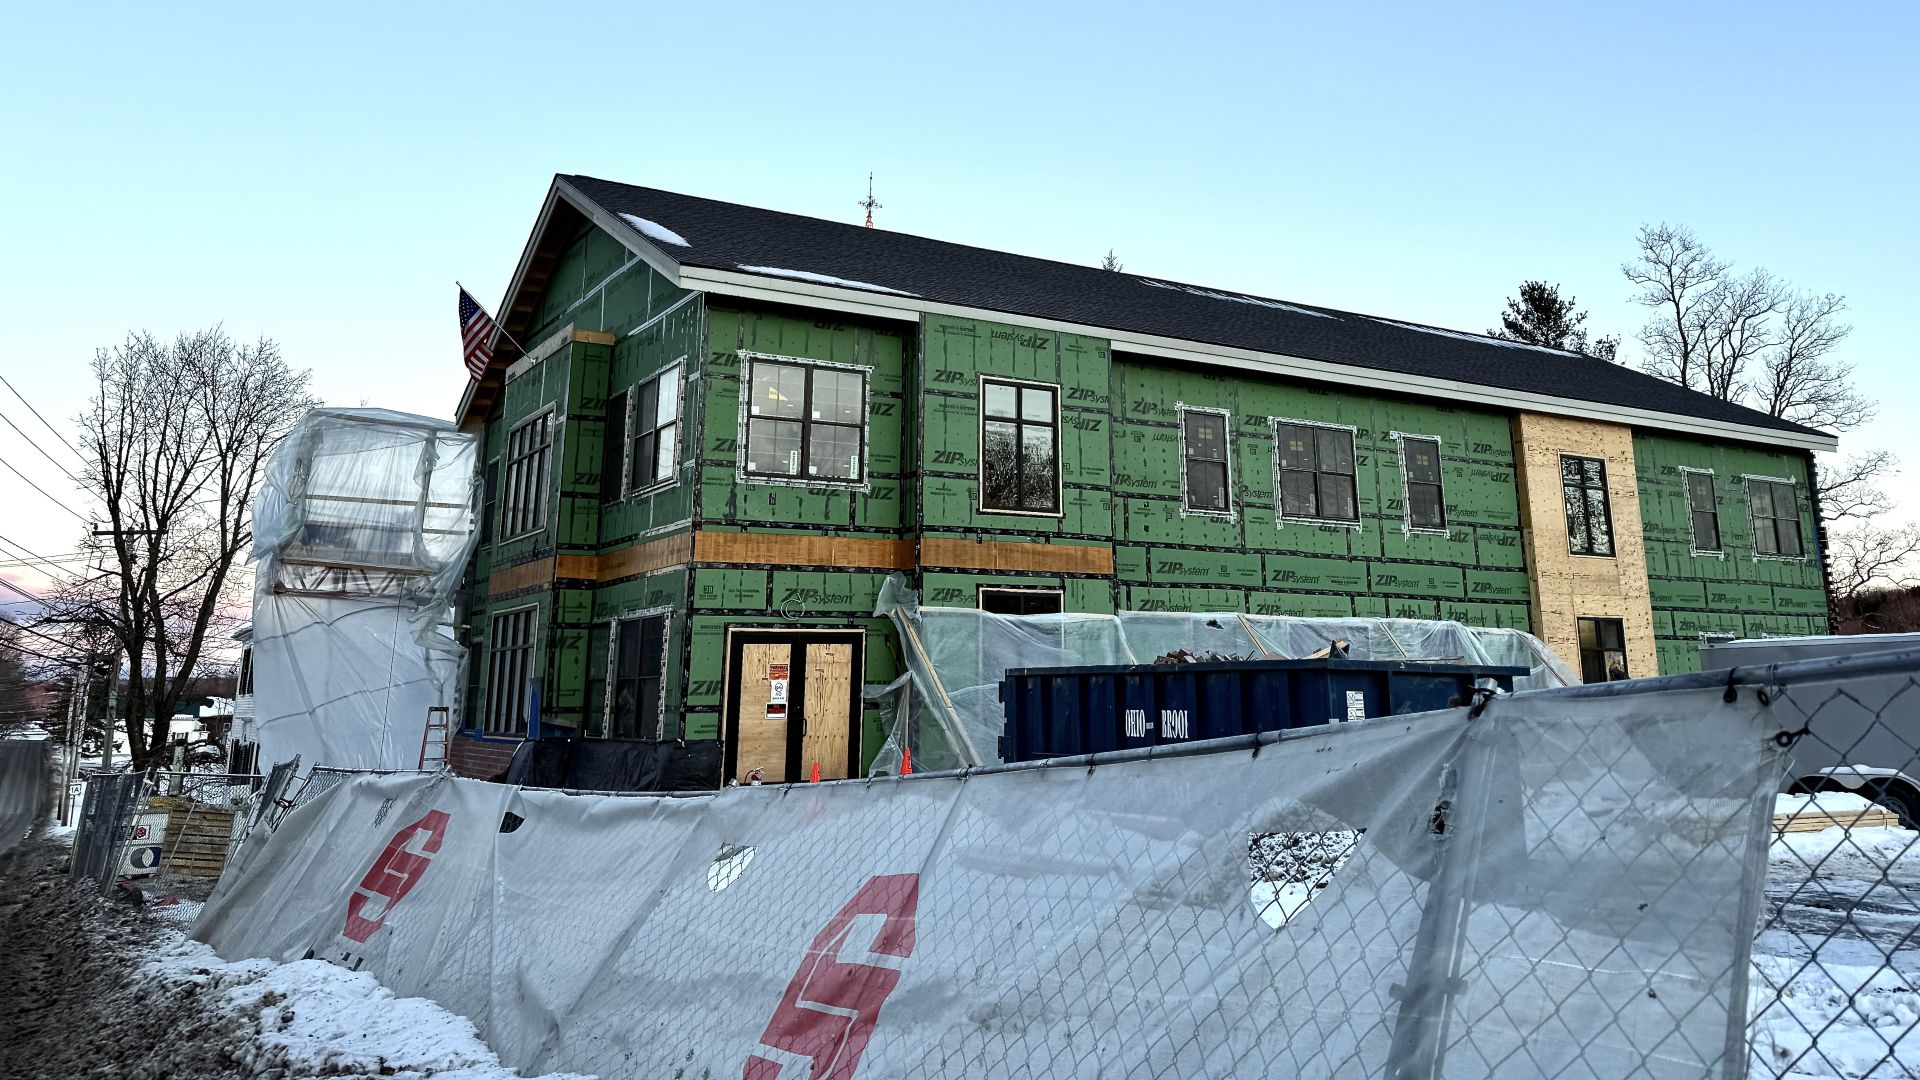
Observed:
{"x":727,"y":236}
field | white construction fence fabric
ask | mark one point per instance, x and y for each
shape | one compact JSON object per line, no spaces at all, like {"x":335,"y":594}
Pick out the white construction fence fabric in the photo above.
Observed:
{"x":947,"y":709}
{"x":1560,"y":886}
{"x":361,"y":531}
{"x":23,"y":789}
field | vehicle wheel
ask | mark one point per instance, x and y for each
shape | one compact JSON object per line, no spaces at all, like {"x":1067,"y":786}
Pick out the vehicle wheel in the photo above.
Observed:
{"x":1903,"y":801}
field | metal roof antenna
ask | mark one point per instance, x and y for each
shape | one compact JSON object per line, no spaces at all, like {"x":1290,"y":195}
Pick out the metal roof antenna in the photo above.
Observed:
{"x":870,"y":203}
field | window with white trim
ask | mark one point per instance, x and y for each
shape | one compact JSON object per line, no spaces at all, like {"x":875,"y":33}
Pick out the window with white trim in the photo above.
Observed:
{"x":1703,"y":511}
{"x":1583,"y":488}
{"x":1315,"y":467}
{"x":656,"y":431}
{"x":1019,"y":447}
{"x":1205,"y":472}
{"x":510,"y":662}
{"x":1426,"y":499}
{"x":635,"y":673}
{"x":529,"y":450}
{"x":1775,"y":508}
{"x":805,"y":422}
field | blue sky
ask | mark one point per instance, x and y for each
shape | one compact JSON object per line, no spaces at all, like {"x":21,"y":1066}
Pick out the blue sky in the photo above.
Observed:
{"x":321,"y":174}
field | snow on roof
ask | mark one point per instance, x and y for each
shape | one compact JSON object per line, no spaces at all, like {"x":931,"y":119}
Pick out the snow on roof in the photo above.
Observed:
{"x":823,"y":279}
{"x":653,"y":230}
{"x":1480,"y":338}
{"x":1237,"y":298}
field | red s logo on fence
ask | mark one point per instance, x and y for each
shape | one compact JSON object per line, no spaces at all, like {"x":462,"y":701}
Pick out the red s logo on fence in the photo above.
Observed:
{"x":394,"y":874}
{"x":834,"y":1041}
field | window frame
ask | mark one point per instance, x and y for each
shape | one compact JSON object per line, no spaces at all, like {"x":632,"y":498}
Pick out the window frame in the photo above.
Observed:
{"x":1606,"y":492}
{"x":1228,"y":512}
{"x":1400,"y":440}
{"x":1601,"y":622}
{"x":980,"y":595}
{"x":507,"y":458}
{"x":619,"y":489}
{"x":1753,"y":524}
{"x":980,"y":433}
{"x":608,"y":691}
{"x":1687,"y":473}
{"x":1280,"y":516}
{"x":748,"y":358}
{"x":489,"y":725}
{"x":635,"y":431}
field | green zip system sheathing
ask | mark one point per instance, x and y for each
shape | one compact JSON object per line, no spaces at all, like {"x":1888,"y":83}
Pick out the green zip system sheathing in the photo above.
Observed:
{"x":1734,"y":590}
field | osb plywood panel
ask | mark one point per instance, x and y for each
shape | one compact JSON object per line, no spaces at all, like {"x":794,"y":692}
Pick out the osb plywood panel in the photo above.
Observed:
{"x":762,"y":739}
{"x":766,"y":549}
{"x":1567,"y":587}
{"x":1011,"y":555}
{"x":828,"y":729}
{"x":645,"y":558}
{"x":526,"y":575}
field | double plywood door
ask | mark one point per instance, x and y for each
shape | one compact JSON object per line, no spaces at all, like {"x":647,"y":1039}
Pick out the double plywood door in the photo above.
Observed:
{"x":792,"y":705}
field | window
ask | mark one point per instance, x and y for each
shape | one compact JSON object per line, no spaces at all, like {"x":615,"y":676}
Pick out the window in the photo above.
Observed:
{"x":1603,"y":650}
{"x":1703,"y":511}
{"x":1019,"y":447}
{"x":509,"y":671}
{"x":528,"y":448}
{"x":1315,"y":472}
{"x":1776,"y":517}
{"x":805,"y":422}
{"x":244,"y":686}
{"x":1583,"y":484}
{"x":1715,"y":637}
{"x":656,"y":428}
{"x":1007,"y":601}
{"x":489,"y":496}
{"x":1204,"y":469}
{"x":613,"y":449}
{"x":1420,"y":465}
{"x":635,"y":671}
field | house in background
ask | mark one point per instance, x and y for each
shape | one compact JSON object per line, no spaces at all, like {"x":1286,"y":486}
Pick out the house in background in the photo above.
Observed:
{"x":731,"y":424}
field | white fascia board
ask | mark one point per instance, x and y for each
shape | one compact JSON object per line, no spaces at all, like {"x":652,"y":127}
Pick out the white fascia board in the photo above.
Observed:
{"x":883,"y":305}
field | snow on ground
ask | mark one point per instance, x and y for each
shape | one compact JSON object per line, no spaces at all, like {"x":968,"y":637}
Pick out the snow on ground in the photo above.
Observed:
{"x":822,"y":279}
{"x":1822,"y":802}
{"x":653,"y":230}
{"x":331,"y":1020}
{"x":1291,"y":868}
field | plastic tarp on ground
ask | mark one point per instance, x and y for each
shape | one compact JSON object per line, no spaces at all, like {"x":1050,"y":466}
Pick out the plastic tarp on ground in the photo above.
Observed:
{"x":361,"y":532}
{"x":947,"y":708}
{"x":1563,"y":885}
{"x":23,"y":789}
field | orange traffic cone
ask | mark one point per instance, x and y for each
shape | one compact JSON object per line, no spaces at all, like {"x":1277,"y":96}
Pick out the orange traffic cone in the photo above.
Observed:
{"x":815,"y":778}
{"x":906,"y":761}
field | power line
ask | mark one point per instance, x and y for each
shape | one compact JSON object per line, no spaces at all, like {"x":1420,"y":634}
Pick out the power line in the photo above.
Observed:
{"x":30,"y":553}
{"x":37,"y":446}
{"x":29,"y":652}
{"x":37,"y":487}
{"x":43,"y":420}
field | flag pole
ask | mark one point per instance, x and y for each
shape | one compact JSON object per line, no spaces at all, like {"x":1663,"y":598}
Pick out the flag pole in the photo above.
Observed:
{"x":498,"y":325}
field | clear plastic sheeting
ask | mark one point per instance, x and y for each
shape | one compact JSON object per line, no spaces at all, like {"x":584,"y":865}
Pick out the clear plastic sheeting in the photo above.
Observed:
{"x":23,"y":789}
{"x":362,"y":529}
{"x":1564,"y":885}
{"x":947,"y":709}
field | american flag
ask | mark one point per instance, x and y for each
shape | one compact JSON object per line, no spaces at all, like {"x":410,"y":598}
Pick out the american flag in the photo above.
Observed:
{"x":476,"y":334}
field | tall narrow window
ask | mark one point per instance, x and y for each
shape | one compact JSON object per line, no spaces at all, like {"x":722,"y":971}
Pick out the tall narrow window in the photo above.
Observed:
{"x":656,"y":427}
{"x":529,"y":447}
{"x":613,"y":449}
{"x":1703,"y":512}
{"x":510,"y":660}
{"x":489,"y":499}
{"x":1603,"y":650}
{"x":1776,"y":517}
{"x":1019,"y":447}
{"x":1316,"y":472}
{"x":1204,"y":468}
{"x":635,"y":674}
{"x":806,"y":422}
{"x":1583,"y":485}
{"x":1420,"y":464}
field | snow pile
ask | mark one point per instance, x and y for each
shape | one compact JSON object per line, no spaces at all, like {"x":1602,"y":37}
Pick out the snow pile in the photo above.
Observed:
{"x":653,"y":230}
{"x":1236,"y":298}
{"x":1830,"y":849}
{"x":1827,"y":1019}
{"x":1291,"y":868}
{"x":823,"y":279}
{"x":1835,"y":803}
{"x":1480,"y":338}
{"x":326,"y":1019}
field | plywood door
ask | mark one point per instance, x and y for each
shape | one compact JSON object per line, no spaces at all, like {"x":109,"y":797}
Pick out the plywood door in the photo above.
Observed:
{"x":762,"y":741}
{"x":828,"y":702}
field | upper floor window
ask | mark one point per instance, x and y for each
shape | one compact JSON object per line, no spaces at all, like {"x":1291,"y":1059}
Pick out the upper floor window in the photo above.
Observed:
{"x":1702,"y":511}
{"x":1204,"y":469}
{"x":805,"y":422}
{"x":1420,"y":465}
{"x":1316,"y":472}
{"x":1776,"y":517}
{"x":489,"y":499}
{"x":529,"y":449}
{"x":613,"y":449}
{"x":1019,"y":447}
{"x":656,"y":430}
{"x":1583,"y":485}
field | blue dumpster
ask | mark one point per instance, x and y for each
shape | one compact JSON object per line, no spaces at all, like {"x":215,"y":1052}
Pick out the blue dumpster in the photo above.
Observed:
{"x":1060,"y":712}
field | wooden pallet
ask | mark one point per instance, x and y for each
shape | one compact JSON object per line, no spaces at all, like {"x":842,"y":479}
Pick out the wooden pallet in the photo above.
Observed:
{"x":198,"y":838}
{"x":1814,"y":820}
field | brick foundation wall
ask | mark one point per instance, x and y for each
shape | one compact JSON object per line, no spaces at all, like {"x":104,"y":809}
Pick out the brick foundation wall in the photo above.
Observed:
{"x":478,"y":760}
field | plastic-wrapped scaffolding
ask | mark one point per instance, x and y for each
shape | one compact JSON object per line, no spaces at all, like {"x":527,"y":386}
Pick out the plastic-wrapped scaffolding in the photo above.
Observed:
{"x":362,"y":530}
{"x":947,"y":709}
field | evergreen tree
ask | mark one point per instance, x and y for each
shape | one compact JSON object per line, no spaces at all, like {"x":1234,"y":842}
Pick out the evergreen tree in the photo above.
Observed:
{"x":1538,"y":316}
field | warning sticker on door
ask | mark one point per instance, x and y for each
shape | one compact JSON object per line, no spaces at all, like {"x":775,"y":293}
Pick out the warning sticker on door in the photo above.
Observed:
{"x":777,"y":672}
{"x":1356,"y":705}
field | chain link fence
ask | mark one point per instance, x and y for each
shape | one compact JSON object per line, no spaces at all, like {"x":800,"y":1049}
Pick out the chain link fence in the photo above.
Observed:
{"x":105,"y":830}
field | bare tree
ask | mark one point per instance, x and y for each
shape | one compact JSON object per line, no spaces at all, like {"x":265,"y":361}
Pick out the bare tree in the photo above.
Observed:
{"x":1746,"y":338}
{"x":1871,"y":557}
{"x":1850,"y":490}
{"x":176,"y":439}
